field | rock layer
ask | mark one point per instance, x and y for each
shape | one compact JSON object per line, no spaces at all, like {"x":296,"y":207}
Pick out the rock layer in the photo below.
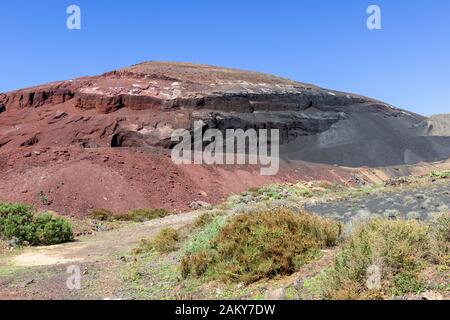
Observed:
{"x":142,"y":105}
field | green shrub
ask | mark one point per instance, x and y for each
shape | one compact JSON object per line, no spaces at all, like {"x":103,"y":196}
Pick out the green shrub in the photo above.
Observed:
{"x":197,"y":251}
{"x":441,"y":174}
{"x":440,"y":239}
{"x":142,"y":215}
{"x":7,"y":209}
{"x":260,"y":245}
{"x":397,"y":248}
{"x":203,"y":239}
{"x":50,"y":230}
{"x":16,"y":221}
{"x":406,"y":282}
{"x":20,"y":221}
{"x":277,"y":192}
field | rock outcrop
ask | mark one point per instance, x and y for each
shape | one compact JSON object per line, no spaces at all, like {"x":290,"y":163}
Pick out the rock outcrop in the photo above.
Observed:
{"x":142,"y":105}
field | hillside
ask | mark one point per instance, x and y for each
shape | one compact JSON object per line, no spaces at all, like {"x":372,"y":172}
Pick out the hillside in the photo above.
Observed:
{"x":104,"y":141}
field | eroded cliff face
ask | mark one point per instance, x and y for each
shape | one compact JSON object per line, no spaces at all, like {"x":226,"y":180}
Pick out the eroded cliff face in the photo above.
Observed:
{"x":104,"y":141}
{"x":142,"y":105}
{"x":168,"y":86}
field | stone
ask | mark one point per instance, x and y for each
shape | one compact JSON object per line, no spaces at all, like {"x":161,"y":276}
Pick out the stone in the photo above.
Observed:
{"x":197,"y":205}
{"x":14,"y":242}
{"x":26,"y":283}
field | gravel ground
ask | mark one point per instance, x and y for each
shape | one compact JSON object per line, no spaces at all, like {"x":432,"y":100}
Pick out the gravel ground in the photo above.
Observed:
{"x":412,"y":203}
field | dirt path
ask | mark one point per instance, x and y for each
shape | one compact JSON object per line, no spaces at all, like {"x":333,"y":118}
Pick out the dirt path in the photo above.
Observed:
{"x":97,"y":248}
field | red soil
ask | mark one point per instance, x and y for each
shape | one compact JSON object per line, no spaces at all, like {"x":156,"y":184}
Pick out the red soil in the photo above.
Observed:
{"x":75,"y":180}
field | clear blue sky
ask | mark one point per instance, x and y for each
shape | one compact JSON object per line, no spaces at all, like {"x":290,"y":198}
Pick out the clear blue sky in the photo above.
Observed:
{"x":324,"y":42}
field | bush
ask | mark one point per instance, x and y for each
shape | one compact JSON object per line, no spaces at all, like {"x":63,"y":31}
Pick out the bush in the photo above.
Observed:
{"x":277,"y":192}
{"x":203,"y":239}
{"x":261,"y":245}
{"x":166,"y":240}
{"x":135,"y":215}
{"x":102,"y":215}
{"x":441,"y":174}
{"x":20,"y":221}
{"x":195,"y":264}
{"x":142,"y":215}
{"x":50,"y":230}
{"x":406,"y":282}
{"x":440,"y":239}
{"x":144,"y":246}
{"x":16,"y":221}
{"x":398,"y":249}
{"x":7,"y":209}
{"x":203,"y":220}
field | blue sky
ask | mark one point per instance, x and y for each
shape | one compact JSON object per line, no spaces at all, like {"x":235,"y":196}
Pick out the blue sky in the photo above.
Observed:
{"x":325,"y":42}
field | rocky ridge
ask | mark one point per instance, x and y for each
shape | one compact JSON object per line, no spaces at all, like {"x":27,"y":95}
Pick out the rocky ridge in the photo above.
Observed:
{"x":142,"y":105}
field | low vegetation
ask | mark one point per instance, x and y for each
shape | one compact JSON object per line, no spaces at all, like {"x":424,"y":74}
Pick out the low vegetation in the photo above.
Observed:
{"x":21,"y":223}
{"x":142,"y":215}
{"x":384,"y":258}
{"x":203,"y":220}
{"x":263,"y":239}
{"x":259,"y":245}
{"x":441,"y":174}
{"x":277,"y":191}
{"x":135,"y":215}
{"x":166,"y":241}
{"x":102,"y":215}
{"x":440,"y":240}
{"x":43,"y":198}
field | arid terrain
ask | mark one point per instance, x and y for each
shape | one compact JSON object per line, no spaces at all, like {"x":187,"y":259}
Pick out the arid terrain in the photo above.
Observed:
{"x":113,"y":268}
{"x":96,"y":151}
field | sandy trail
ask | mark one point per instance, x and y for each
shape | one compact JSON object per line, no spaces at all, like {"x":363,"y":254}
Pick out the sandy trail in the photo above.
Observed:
{"x":99,"y":247}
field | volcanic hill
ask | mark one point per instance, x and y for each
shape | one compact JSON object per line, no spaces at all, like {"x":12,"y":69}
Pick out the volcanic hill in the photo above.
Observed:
{"x":104,"y":141}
